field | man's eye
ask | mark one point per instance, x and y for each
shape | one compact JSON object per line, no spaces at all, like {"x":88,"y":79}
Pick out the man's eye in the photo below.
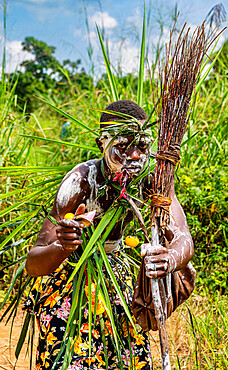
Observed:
{"x":122,"y":145}
{"x":142,"y":146}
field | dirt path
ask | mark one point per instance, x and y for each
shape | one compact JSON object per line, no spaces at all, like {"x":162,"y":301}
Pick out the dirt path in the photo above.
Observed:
{"x":7,"y":358}
{"x":175,"y":327}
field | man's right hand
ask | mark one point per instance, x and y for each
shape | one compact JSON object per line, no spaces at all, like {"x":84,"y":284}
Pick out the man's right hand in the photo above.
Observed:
{"x":69,"y":231}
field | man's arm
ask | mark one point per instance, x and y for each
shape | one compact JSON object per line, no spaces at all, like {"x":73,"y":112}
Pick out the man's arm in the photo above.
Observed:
{"x":55,"y":243}
{"x":159,"y":261}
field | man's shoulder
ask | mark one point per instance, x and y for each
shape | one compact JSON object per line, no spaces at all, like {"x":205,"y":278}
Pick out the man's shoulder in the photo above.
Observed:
{"x":77,"y":184}
{"x":83,"y":170}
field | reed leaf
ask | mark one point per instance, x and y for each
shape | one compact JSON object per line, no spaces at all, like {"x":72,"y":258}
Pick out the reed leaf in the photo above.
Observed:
{"x":108,"y":68}
{"x":97,"y":232}
{"x":61,"y":142}
{"x":141,"y":66}
{"x":71,"y":118}
{"x":11,"y":287}
{"x":115,"y":284}
{"x":23,"y":334}
{"x":26,"y":199}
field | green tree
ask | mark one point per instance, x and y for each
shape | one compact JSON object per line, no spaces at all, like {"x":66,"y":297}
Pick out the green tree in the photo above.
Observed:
{"x":45,"y":76}
{"x":37,"y":76}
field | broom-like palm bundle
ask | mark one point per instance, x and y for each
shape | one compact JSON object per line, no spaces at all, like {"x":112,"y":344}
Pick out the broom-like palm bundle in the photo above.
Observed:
{"x":178,"y":77}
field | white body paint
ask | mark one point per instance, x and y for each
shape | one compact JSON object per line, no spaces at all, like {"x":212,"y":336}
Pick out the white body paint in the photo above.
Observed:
{"x":177,"y":233}
{"x":68,"y":189}
{"x":91,"y":203}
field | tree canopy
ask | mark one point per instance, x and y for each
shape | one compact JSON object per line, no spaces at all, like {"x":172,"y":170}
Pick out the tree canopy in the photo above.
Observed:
{"x":44,"y":75}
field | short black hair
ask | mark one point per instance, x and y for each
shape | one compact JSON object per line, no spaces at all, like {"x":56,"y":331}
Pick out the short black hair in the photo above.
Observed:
{"x":123,"y":106}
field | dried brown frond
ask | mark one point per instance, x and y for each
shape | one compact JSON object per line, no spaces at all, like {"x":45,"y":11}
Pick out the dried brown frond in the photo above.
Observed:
{"x":178,"y":76}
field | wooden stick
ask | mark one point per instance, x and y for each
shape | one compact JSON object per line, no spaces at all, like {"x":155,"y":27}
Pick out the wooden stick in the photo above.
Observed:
{"x":159,"y":313}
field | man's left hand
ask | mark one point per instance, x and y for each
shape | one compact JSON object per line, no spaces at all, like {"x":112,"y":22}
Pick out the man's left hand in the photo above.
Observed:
{"x":157,"y":260}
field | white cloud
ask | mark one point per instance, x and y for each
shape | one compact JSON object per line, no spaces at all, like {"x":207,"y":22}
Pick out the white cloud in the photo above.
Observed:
{"x":135,"y":19}
{"x":15,"y":55}
{"x":93,"y":38}
{"x":124,"y":55}
{"x":77,"y":32}
{"x":103,"y":19}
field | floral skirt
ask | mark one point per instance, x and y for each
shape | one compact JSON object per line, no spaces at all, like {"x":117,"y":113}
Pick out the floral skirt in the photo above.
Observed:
{"x":50,"y":300}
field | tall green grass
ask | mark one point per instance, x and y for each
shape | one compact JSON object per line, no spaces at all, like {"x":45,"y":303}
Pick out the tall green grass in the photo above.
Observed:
{"x":33,"y":162}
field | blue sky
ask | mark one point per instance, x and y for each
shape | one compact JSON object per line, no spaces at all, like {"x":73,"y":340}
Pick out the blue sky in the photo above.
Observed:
{"x":62,"y":23}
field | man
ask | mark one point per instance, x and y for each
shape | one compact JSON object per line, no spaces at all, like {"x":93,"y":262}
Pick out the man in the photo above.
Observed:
{"x":80,"y":191}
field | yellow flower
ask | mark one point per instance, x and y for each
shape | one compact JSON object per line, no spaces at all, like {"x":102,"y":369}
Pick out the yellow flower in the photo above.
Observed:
{"x":125,"y":329}
{"x":52,"y":299}
{"x":68,"y":287}
{"x":95,"y":334}
{"x":78,"y":346}
{"x":58,"y":282}
{"x":90,"y":360}
{"x":139,"y":365}
{"x":139,"y":339}
{"x":108,"y":328}
{"x":44,"y":355}
{"x":100,"y":359}
{"x":51,"y":338}
{"x":100,"y":306}
{"x":37,"y":283}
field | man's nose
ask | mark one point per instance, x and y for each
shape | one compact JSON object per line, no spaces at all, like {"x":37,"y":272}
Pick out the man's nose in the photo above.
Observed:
{"x":133,"y":154}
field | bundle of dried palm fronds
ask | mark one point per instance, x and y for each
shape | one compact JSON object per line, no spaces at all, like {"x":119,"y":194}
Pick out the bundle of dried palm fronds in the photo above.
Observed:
{"x":178,"y":77}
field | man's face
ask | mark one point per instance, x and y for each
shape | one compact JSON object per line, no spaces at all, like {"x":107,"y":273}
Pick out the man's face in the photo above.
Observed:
{"x":125,"y":152}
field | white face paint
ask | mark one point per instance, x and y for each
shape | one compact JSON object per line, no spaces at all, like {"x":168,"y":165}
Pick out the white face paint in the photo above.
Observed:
{"x":118,"y":154}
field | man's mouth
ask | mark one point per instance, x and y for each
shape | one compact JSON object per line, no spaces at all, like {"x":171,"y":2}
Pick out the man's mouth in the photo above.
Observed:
{"x":133,"y":169}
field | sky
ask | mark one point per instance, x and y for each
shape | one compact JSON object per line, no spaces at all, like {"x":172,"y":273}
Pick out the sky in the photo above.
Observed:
{"x":70,"y":26}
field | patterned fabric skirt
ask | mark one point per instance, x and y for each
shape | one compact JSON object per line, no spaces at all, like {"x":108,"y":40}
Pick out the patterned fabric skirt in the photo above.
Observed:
{"x":50,"y":300}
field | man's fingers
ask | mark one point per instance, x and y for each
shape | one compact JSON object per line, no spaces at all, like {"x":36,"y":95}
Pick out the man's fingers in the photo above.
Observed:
{"x":148,"y":250}
{"x":155,"y":274}
{"x":156,"y":266}
{"x":70,"y":223}
{"x":69,"y":242}
{"x":76,"y":230}
{"x":143,"y":249}
{"x":69,"y":236}
{"x":156,"y":259}
{"x":80,"y":210}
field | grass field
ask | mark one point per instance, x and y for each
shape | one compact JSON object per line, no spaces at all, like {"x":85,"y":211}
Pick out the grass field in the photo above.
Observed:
{"x":33,"y":161}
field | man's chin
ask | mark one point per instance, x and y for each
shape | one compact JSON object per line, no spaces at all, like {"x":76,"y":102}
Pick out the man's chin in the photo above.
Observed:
{"x":134,"y":171}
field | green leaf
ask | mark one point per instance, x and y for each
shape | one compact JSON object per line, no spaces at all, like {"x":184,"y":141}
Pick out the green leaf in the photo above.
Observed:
{"x":202,"y":79}
{"x":26,"y":199}
{"x":32,"y":186}
{"x":142,"y":62}
{"x":17,"y":273}
{"x":23,"y":334}
{"x":22,"y":170}
{"x":97,"y":232}
{"x":60,"y":142}
{"x":108,"y":68}
{"x":73,"y":119}
{"x":115,"y":284}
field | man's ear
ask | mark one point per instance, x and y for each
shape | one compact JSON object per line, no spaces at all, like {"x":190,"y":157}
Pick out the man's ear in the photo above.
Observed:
{"x":99,"y":144}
